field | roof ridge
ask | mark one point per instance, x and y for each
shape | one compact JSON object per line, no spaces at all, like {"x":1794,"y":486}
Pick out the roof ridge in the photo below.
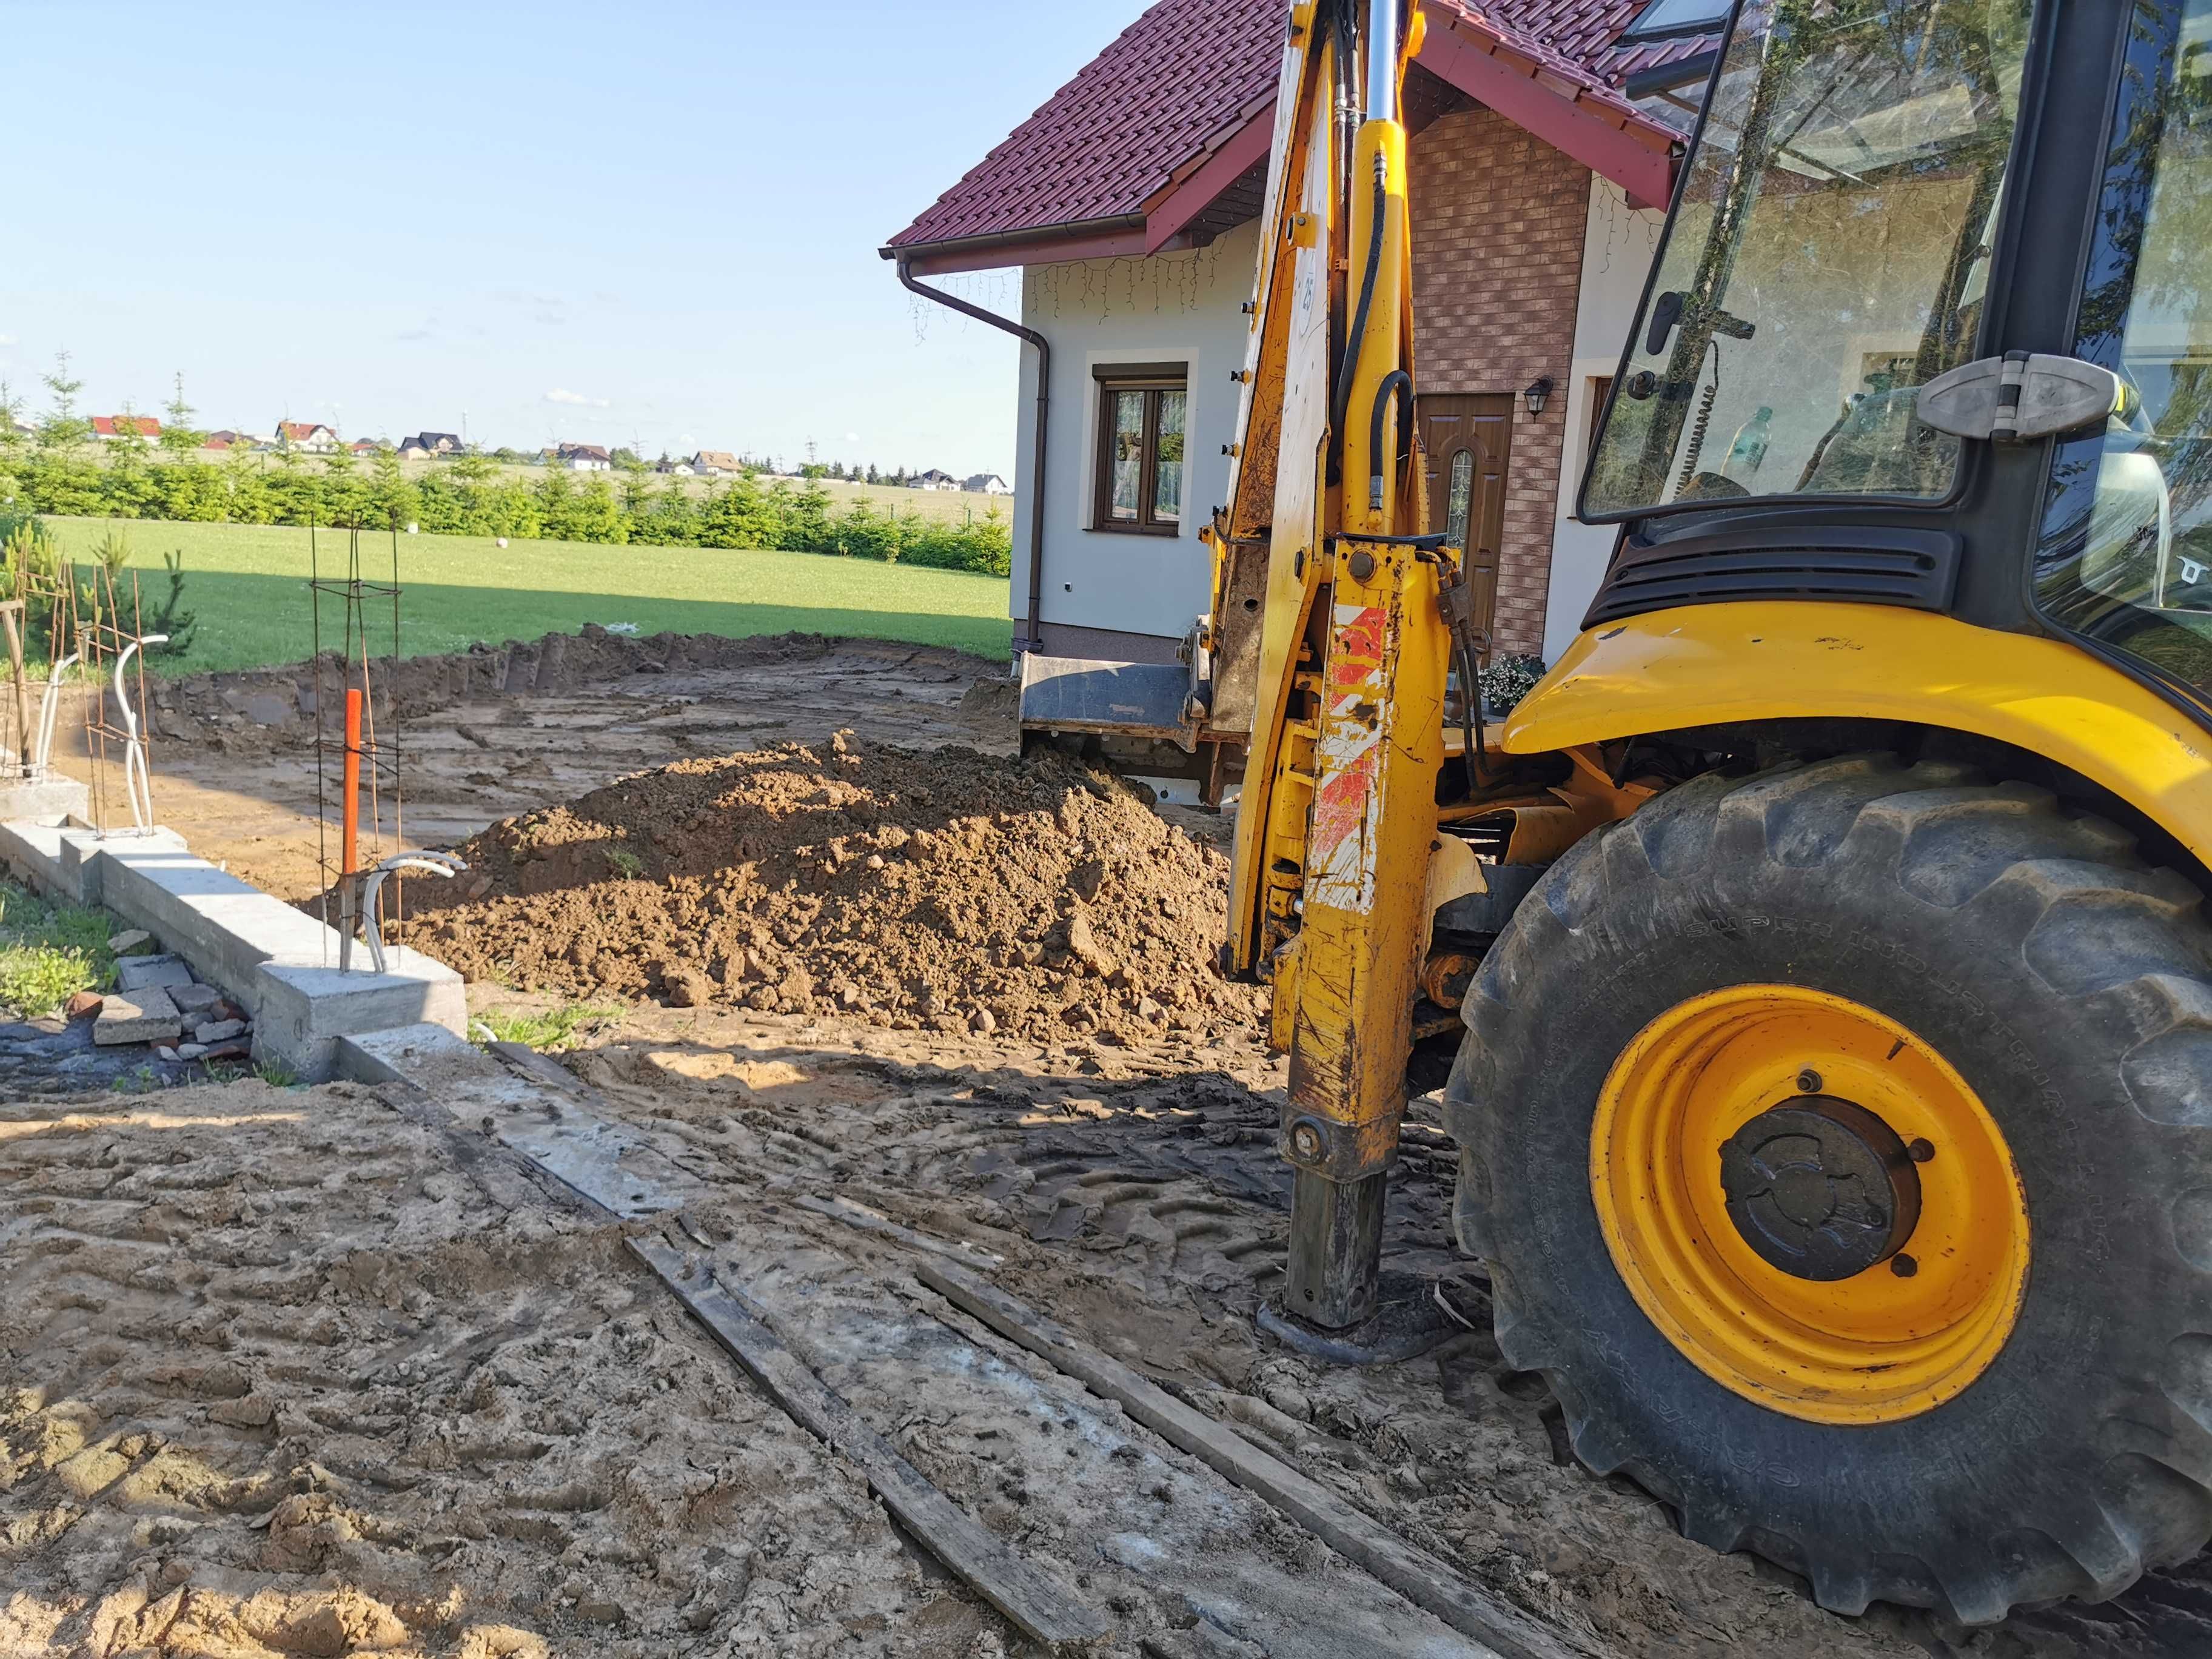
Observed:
{"x":1176,"y":85}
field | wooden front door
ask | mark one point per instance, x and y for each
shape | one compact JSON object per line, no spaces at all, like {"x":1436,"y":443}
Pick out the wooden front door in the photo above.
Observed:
{"x":1464,"y":442}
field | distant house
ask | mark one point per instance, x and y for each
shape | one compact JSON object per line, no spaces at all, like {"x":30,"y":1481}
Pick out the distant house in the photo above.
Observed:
{"x":440,"y":443}
{"x":226,"y":439}
{"x":364,"y":446}
{"x":312,"y":436}
{"x":715,"y":464}
{"x":934,"y":479}
{"x":987,"y":483}
{"x":584,"y":458}
{"x":676,"y":469}
{"x":109,"y":427}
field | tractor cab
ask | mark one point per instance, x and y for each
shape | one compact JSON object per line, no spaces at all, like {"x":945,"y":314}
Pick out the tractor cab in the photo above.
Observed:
{"x":1932,"y":328}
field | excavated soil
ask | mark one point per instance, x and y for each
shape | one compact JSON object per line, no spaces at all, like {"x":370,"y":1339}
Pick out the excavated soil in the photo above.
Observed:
{"x":950,"y":889}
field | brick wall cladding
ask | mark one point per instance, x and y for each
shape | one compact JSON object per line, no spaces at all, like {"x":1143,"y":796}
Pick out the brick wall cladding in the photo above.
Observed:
{"x":1498,"y":221}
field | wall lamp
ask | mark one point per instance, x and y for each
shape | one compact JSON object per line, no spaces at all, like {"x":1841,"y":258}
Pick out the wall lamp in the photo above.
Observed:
{"x":1539,"y":389}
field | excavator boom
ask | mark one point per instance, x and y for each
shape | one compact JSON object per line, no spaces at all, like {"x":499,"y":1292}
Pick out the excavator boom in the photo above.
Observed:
{"x":1351,"y":657}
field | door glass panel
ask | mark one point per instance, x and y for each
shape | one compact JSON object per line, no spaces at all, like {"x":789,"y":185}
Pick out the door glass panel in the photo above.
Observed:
{"x":1828,"y":257}
{"x":1459,"y":498}
{"x":2126,"y":556}
{"x":1129,"y":453}
{"x":1167,"y":477}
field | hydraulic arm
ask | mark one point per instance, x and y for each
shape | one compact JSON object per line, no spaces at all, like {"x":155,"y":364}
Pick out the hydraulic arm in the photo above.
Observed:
{"x":1334,"y":831}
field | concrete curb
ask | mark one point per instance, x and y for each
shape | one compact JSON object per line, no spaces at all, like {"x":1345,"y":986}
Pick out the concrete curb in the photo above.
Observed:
{"x":277,"y":962}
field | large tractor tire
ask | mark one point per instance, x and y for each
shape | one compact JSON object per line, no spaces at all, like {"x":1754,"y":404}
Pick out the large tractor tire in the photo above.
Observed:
{"x":1840,"y":1139}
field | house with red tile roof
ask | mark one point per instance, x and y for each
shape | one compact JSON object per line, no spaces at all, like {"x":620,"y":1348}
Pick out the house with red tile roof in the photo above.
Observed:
{"x":109,"y":427}
{"x":1544,"y":137}
{"x":310,"y":435}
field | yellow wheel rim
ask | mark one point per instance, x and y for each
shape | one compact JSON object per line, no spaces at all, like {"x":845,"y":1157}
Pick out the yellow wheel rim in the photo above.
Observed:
{"x":1897,"y":1338}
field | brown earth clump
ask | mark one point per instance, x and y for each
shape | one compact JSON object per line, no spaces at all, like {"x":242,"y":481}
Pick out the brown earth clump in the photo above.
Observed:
{"x":950,"y":890}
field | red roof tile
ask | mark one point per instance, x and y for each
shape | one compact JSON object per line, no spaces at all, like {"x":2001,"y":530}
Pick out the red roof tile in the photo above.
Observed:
{"x":1177,"y":81}
{"x":1585,"y":31}
{"x":1189,"y":73}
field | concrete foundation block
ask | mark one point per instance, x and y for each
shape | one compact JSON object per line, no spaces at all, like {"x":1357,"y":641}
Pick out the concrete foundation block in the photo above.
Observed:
{"x":277,"y":962}
{"x":33,"y":854}
{"x":53,"y":801}
{"x":82,"y":867}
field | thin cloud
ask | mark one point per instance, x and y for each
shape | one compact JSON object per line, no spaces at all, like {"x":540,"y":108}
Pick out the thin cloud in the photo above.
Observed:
{"x":8,"y":340}
{"x":561,"y":394}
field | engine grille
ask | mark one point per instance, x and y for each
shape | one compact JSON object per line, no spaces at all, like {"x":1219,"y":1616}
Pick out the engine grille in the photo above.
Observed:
{"x":1872,"y":565}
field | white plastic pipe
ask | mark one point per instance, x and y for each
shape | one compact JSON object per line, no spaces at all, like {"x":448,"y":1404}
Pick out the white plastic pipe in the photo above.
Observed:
{"x":136,"y":783}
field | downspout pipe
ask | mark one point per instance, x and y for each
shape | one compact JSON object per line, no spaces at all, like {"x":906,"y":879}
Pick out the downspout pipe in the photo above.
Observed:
{"x":1034,"y":640}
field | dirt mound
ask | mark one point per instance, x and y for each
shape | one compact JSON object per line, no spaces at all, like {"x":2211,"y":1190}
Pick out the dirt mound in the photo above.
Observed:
{"x":949,"y":889}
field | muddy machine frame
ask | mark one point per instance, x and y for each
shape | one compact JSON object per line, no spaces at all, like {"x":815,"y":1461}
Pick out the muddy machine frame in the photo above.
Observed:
{"x":1322,"y":672}
{"x":1338,"y":816}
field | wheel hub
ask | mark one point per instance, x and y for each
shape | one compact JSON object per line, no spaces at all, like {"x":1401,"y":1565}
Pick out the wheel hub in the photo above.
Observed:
{"x":1820,"y":1188}
{"x":1759,"y":1152}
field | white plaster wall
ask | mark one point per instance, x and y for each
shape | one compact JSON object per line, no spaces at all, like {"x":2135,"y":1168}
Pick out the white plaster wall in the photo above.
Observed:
{"x":1616,"y":254}
{"x":1172,"y":307}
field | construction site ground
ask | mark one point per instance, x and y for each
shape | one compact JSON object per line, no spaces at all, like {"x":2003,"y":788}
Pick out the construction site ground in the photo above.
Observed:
{"x":284,"y":1375}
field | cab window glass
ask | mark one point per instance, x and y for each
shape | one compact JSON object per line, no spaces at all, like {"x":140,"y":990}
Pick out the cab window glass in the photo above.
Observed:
{"x":2126,"y":555}
{"x":1829,"y":257}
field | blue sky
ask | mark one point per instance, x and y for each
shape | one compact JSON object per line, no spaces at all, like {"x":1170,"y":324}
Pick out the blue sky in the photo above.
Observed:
{"x":567,"y":221}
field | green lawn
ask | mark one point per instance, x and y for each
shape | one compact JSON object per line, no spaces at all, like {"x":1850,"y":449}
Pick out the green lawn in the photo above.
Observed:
{"x":247,"y":584}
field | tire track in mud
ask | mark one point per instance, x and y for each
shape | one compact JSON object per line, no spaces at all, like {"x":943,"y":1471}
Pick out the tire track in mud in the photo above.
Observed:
{"x":1147,"y":1211}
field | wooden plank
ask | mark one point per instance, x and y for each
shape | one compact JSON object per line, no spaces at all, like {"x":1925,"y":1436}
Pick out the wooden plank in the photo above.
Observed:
{"x":1418,"y":1577}
{"x":542,"y":1067}
{"x":1038,"y":1606}
{"x":511,"y":1179}
{"x":868,"y":1221}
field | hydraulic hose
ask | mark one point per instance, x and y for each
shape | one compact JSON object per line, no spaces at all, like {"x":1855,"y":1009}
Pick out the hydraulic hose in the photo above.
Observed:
{"x":1470,"y":715}
{"x":1358,"y":332}
{"x":1400,"y":383}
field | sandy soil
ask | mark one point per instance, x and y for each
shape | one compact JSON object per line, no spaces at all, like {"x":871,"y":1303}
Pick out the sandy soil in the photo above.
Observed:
{"x":286,"y":1378}
{"x":283,"y":1379}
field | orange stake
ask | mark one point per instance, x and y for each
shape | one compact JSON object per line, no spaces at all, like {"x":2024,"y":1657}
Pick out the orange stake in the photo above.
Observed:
{"x":351,"y":857}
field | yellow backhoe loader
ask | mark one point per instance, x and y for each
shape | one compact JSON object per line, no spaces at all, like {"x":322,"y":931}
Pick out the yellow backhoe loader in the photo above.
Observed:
{"x":1816,"y":956}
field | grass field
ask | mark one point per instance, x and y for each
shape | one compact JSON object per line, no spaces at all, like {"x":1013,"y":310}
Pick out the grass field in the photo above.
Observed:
{"x":248,"y":585}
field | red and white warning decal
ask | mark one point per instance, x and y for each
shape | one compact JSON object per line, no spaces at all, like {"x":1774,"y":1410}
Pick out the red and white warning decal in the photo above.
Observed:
{"x":1340,"y":849}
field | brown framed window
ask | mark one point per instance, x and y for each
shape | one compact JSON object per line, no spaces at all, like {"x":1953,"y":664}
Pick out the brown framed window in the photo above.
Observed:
{"x":1143,"y":409}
